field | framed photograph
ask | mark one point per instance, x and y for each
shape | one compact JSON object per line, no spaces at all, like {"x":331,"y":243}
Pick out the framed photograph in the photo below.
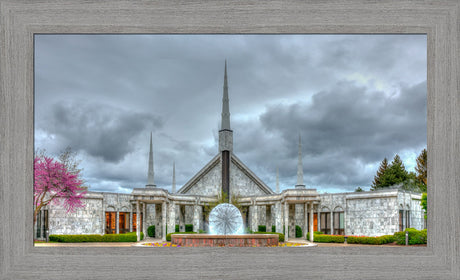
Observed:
{"x":21,"y":22}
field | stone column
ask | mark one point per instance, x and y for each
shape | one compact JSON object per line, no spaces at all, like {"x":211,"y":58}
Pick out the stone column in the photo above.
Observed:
{"x":278,"y":217}
{"x":332,"y":222}
{"x":255,"y":218}
{"x":311,"y":222}
{"x":268,"y":218}
{"x":117,"y":221}
{"x":196,"y":217}
{"x":305,"y":224}
{"x":182,"y":216}
{"x":138,"y":233}
{"x":130,"y":219}
{"x":286,"y":221}
{"x":163,"y":218}
{"x":144,"y":213}
{"x":319,"y":217}
{"x":171,"y":217}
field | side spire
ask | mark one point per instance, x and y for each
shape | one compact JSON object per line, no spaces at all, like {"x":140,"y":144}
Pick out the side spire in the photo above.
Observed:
{"x":300,"y":184}
{"x":174,"y":178}
{"x":150,"y":181}
{"x":225,"y":106}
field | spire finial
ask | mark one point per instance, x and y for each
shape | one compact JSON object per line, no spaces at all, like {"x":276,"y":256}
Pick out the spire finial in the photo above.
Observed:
{"x":225,"y":106}
{"x":174,"y":178}
{"x":300,"y":167}
{"x":150,"y":182}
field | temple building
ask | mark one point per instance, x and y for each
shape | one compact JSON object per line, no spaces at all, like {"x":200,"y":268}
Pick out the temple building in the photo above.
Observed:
{"x":371,"y":213}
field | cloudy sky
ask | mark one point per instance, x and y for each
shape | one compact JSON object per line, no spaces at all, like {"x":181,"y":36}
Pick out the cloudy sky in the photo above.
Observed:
{"x":354,"y":99}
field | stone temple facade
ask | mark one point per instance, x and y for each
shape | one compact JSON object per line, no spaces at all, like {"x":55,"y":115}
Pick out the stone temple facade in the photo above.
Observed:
{"x":356,"y":213}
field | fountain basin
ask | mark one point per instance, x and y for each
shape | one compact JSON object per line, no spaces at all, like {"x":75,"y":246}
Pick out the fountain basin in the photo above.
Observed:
{"x":231,"y":240}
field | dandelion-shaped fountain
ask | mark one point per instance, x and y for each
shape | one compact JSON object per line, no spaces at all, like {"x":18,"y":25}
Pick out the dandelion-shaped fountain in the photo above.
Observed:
{"x":226,"y":230}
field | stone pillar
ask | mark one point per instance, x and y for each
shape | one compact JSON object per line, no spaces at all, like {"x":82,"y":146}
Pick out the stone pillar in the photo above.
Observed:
{"x":268,"y":218}
{"x":130,"y":219}
{"x":332,"y":222}
{"x":305,"y":224}
{"x":319,"y":217}
{"x":118,"y":222}
{"x":171,"y":217}
{"x":138,"y":233}
{"x":255,"y":220}
{"x":286,"y":221}
{"x":182,"y":216}
{"x":196,"y":217}
{"x":311,"y":222}
{"x":278,"y":217}
{"x":163,"y":214}
{"x":144,"y":213}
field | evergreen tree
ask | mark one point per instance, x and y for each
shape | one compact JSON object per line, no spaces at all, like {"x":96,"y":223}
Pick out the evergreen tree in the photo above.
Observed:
{"x":377,"y":178}
{"x":359,"y":189}
{"x":395,"y":174}
{"x":421,"y":167}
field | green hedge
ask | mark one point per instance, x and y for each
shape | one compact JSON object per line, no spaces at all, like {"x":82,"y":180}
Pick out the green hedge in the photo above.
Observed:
{"x":151,"y":231}
{"x":370,"y":240}
{"x":188,"y":227}
{"x":273,"y":228}
{"x":325,"y":238}
{"x":77,"y":238}
{"x":262,"y":228}
{"x":314,"y":233}
{"x":415,"y":236}
{"x":177,"y":228}
{"x":298,"y":231}
{"x":280,"y":235}
{"x":168,"y":236}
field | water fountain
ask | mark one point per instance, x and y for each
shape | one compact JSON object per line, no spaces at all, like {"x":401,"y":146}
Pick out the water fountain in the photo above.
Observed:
{"x":226,"y":230}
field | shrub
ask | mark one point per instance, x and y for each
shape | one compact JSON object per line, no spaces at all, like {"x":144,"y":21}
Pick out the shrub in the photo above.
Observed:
{"x":280,"y":235}
{"x":248,"y":230}
{"x":168,"y":236}
{"x":177,"y":228}
{"x":188,"y":227}
{"x":415,"y":236}
{"x":314,"y":234}
{"x":202,"y":231}
{"x":273,"y":228}
{"x":77,"y":238}
{"x":262,"y":228}
{"x":298,"y":231}
{"x":151,"y":231}
{"x":325,"y":238}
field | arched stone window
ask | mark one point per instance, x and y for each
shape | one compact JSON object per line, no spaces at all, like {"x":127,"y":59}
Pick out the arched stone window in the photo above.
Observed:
{"x":325,"y":220}
{"x":339,"y":221}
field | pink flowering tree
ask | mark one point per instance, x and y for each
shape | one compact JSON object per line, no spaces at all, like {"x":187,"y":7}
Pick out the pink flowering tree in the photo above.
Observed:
{"x":52,"y":182}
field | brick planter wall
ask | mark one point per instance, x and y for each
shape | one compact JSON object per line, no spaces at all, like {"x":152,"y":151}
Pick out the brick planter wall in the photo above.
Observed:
{"x":209,"y":240}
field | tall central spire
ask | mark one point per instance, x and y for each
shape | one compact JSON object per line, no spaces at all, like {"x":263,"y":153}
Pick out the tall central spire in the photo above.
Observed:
{"x":300,"y":184}
{"x":225,"y":107}
{"x":150,"y":183}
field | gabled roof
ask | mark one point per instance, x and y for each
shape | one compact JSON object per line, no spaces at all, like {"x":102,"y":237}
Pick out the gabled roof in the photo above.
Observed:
{"x":215,"y":161}
{"x":210,"y":165}
{"x":251,"y":175}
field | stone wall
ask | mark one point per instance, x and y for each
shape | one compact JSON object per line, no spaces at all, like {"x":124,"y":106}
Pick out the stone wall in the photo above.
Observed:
{"x":209,"y":184}
{"x":86,"y":220}
{"x":241,"y":184}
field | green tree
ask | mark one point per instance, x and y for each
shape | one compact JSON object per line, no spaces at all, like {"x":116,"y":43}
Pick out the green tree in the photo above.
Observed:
{"x":377,"y":178}
{"x":359,"y":189}
{"x":394,"y":174}
{"x":421,"y":168}
{"x":424,"y":203}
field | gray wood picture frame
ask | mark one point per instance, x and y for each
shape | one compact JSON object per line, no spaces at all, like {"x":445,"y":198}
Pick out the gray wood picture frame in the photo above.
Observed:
{"x":20,"y":20}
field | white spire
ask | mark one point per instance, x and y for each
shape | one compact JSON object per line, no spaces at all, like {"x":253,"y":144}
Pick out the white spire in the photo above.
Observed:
{"x":150,"y":182}
{"x":300,"y":167}
{"x":225,"y":107}
{"x":174,"y":178}
{"x":277,"y":181}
